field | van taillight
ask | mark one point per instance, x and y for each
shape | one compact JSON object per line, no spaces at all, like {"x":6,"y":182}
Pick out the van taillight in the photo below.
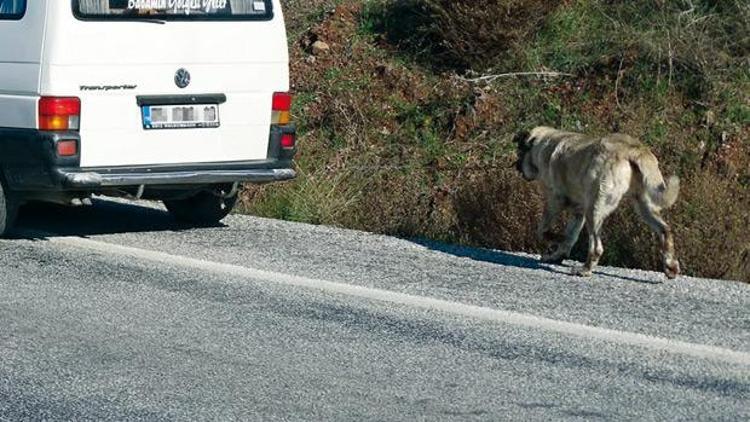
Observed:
{"x":288,"y":141}
{"x":59,"y":113}
{"x":67,"y":148}
{"x":282,"y":107}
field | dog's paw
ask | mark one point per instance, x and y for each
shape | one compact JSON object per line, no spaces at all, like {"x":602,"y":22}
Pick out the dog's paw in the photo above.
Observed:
{"x":672,"y":269}
{"x":555,"y":259}
{"x":553,"y":255}
{"x":582,"y":271}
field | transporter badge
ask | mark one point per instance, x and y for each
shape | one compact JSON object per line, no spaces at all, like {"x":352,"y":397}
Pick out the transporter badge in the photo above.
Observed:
{"x":182,"y":78}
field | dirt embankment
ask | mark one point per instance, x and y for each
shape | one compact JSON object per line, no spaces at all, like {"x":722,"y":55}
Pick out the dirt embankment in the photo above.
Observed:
{"x":406,"y":111}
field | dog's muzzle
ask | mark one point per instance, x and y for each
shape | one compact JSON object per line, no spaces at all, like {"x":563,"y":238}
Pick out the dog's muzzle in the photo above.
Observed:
{"x":519,"y":164}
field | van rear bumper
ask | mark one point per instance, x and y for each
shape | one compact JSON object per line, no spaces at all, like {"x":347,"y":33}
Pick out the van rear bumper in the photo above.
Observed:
{"x":87,"y":179}
{"x":29,"y":163}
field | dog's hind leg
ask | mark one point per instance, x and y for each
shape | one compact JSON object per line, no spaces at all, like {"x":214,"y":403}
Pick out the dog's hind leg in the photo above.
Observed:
{"x":611,"y":192}
{"x":654,"y":220}
{"x":572,"y":232}
{"x":596,"y":248}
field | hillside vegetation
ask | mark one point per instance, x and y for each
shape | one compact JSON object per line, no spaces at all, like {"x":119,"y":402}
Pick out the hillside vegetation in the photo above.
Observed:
{"x":406,"y":120}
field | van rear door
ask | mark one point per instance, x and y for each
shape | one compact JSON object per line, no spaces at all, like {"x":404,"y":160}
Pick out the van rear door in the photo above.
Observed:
{"x":168,"y":81}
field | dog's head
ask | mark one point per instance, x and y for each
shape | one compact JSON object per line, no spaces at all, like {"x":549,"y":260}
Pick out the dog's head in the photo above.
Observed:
{"x":525,"y":164}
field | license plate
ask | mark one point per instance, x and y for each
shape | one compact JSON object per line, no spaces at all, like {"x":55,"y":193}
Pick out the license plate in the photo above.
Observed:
{"x":180,"y":116}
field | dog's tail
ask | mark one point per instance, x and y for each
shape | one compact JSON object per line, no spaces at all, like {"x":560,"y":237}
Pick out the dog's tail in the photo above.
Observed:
{"x":661,"y":193}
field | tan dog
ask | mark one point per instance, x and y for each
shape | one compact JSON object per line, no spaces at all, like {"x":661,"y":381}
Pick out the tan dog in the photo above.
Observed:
{"x":590,"y":176}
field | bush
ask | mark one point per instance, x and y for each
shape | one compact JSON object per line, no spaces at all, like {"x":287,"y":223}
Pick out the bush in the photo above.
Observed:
{"x":498,"y":208}
{"x":477,"y":36}
{"x":457,"y":34}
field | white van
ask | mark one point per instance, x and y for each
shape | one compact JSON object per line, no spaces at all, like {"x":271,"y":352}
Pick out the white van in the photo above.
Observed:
{"x":174,"y":100}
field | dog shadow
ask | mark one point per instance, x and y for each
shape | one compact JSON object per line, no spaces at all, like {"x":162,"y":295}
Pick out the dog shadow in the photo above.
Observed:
{"x":506,"y":259}
{"x":44,"y":220}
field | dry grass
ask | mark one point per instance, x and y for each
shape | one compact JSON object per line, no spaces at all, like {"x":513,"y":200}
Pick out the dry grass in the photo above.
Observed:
{"x":478,"y":38}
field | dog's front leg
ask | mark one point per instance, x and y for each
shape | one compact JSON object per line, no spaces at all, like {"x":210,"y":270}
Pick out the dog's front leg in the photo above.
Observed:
{"x":552,"y":209}
{"x":572,"y":232}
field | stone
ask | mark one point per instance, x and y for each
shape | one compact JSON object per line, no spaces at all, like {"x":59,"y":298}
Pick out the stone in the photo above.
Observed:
{"x":320,"y":47}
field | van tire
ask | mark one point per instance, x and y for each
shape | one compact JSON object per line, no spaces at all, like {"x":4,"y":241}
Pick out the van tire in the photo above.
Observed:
{"x":202,"y":209}
{"x":8,"y":209}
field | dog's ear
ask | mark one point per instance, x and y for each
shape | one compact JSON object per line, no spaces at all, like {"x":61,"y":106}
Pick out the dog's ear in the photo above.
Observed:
{"x":522,"y":139}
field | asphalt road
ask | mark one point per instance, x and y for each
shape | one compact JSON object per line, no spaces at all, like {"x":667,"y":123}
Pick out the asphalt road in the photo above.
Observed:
{"x":116,"y":313}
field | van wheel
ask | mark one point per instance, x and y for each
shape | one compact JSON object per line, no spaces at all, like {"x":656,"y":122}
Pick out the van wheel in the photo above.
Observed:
{"x":8,"y":210}
{"x":202,"y":209}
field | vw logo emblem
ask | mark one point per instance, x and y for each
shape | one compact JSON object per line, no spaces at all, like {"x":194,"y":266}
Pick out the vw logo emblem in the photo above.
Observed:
{"x":182,"y":78}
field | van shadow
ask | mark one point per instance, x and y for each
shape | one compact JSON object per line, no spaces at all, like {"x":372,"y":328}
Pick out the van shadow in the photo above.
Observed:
{"x":519,"y":261}
{"x":102,"y":218}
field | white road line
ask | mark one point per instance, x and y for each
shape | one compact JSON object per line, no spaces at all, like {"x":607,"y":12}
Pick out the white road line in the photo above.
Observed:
{"x":482,"y":313}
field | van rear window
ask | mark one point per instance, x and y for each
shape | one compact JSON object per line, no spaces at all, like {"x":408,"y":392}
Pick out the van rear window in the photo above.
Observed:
{"x":174,"y":9}
{"x":12,"y":9}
